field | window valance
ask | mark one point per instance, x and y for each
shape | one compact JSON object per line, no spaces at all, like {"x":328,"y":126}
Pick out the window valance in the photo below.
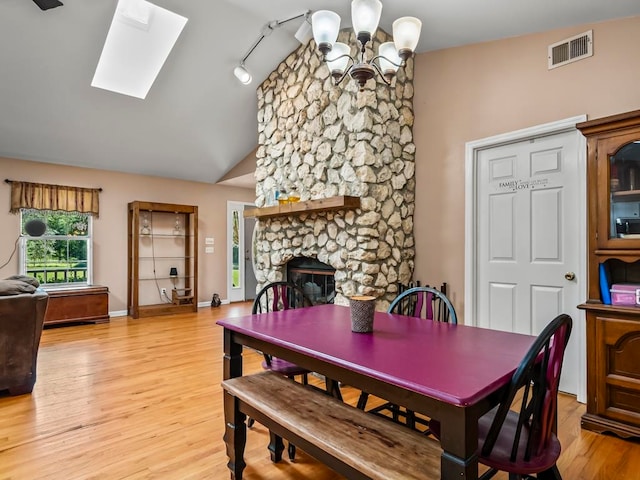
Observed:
{"x":42,"y":196}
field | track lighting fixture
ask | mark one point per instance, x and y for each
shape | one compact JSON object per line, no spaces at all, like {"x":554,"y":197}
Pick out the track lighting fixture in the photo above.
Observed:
{"x":302,"y":35}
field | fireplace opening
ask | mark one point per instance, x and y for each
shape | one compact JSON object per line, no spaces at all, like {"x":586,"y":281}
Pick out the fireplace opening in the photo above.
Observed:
{"x":314,"y":277}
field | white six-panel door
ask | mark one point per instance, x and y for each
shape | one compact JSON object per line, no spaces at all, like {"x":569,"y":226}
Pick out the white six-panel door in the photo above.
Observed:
{"x":527,"y":238}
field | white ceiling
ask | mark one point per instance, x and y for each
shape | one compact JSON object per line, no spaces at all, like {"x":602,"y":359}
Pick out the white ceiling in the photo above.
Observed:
{"x":197,"y":121}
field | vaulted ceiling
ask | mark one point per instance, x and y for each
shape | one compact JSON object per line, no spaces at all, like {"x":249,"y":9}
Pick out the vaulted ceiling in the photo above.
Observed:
{"x":198,"y":121}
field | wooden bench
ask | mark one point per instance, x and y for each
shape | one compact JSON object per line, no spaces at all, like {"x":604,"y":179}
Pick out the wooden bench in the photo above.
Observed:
{"x":350,"y":441}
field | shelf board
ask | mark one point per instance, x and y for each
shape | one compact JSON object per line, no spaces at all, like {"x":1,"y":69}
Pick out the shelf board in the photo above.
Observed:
{"x":623,"y":194}
{"x":160,"y":257}
{"x":609,"y":309}
{"x":308,"y":206}
{"x":162,"y":235}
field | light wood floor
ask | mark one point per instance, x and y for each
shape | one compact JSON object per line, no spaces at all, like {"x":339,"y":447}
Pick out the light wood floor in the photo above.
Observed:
{"x":139,"y":399}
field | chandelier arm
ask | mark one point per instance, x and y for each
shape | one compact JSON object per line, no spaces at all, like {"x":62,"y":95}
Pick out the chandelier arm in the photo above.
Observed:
{"x":346,"y":70}
{"x":401,"y":64}
{"x":341,"y":56}
{"x":338,"y":81}
{"x":377,"y":68}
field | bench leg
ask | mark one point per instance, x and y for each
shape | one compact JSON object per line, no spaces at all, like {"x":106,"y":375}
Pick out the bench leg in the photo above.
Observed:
{"x":362,"y":401}
{"x":333,"y":388}
{"x":235,"y":436}
{"x":276,"y":447}
{"x":291,"y":450}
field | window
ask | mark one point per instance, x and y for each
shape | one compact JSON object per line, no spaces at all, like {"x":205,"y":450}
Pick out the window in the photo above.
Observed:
{"x":62,"y":256}
{"x":235,"y":272}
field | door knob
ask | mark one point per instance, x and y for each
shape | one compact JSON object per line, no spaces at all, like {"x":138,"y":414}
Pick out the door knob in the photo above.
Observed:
{"x":570,"y":276}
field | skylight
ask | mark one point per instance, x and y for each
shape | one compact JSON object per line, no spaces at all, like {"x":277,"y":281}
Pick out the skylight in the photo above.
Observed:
{"x":138,"y":43}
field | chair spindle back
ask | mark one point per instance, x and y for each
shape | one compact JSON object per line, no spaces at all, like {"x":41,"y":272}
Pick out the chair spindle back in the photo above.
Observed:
{"x":425,"y":302}
{"x":538,"y":375}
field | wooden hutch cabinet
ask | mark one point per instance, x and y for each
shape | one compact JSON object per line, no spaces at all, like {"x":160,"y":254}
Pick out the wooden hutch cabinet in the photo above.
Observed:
{"x":613,"y":317}
{"x":163,"y":259}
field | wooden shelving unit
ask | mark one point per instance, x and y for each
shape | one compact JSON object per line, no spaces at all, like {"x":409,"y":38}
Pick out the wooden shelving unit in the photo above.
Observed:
{"x":309,"y":206}
{"x":155,"y":246}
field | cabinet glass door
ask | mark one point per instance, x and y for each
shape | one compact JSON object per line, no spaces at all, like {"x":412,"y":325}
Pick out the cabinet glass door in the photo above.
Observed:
{"x":624,"y":168}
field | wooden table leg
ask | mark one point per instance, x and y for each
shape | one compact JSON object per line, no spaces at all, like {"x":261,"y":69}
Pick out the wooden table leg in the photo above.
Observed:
{"x":459,"y":441}
{"x":235,"y":432}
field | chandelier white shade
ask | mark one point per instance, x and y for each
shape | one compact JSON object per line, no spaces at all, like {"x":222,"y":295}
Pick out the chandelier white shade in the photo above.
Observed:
{"x":406,"y":33}
{"x":365,"y":16}
{"x":325,"y":25}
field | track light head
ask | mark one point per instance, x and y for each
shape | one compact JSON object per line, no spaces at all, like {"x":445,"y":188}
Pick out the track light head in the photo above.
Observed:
{"x":242,"y":74}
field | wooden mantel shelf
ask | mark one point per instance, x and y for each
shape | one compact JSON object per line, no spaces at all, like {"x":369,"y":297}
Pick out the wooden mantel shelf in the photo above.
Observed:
{"x":308,"y":206}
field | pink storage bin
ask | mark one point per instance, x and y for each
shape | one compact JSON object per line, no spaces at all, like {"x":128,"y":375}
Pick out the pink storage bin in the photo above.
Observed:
{"x":625,"y":294}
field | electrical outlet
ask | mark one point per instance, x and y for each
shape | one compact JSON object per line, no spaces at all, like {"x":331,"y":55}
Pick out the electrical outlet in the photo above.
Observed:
{"x":163,"y":292}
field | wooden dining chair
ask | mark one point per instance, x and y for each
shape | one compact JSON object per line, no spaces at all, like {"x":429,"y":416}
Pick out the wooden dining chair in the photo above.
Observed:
{"x":422,"y":302}
{"x":279,"y":296}
{"x":524,"y":443}
{"x":274,"y":297}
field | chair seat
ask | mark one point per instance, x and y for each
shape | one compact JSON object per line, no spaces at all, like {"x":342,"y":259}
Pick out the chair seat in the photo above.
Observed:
{"x":499,"y":456}
{"x":284,"y":367}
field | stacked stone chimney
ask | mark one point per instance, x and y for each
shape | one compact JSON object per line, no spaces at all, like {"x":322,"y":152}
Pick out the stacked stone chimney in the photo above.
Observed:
{"x":323,"y":140}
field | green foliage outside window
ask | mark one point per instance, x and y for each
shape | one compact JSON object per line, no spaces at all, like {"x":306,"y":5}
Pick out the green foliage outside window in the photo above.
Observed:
{"x":235,"y":270}
{"x":60,"y":256}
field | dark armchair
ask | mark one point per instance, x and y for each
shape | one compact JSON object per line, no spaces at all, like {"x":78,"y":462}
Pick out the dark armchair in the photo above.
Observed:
{"x":21,"y":321}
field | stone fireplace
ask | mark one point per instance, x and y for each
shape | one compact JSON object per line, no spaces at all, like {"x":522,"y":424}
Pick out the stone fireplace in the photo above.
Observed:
{"x":316,"y":279}
{"x":322,"y":141}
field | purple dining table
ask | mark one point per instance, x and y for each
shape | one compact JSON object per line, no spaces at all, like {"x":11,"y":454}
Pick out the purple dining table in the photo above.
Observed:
{"x":453,"y":373}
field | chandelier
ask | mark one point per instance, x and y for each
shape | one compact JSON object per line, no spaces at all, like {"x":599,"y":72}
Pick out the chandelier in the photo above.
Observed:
{"x":365,"y":16}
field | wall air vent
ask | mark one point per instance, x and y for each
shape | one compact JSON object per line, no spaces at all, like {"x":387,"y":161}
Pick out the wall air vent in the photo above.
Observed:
{"x":571,"y":49}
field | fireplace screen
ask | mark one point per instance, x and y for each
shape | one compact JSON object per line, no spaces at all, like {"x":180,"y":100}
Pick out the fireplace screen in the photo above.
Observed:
{"x":314,"y":277}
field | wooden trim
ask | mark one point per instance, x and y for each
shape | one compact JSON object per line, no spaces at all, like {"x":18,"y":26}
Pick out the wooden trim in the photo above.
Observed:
{"x":162,"y":207}
{"x":611,"y":123}
{"x":309,"y":206}
{"x":165,"y":309}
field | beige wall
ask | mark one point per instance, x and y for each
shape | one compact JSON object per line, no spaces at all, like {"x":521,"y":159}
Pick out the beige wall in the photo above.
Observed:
{"x":468,"y":93}
{"x":110,"y":230}
{"x":245,"y":166}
